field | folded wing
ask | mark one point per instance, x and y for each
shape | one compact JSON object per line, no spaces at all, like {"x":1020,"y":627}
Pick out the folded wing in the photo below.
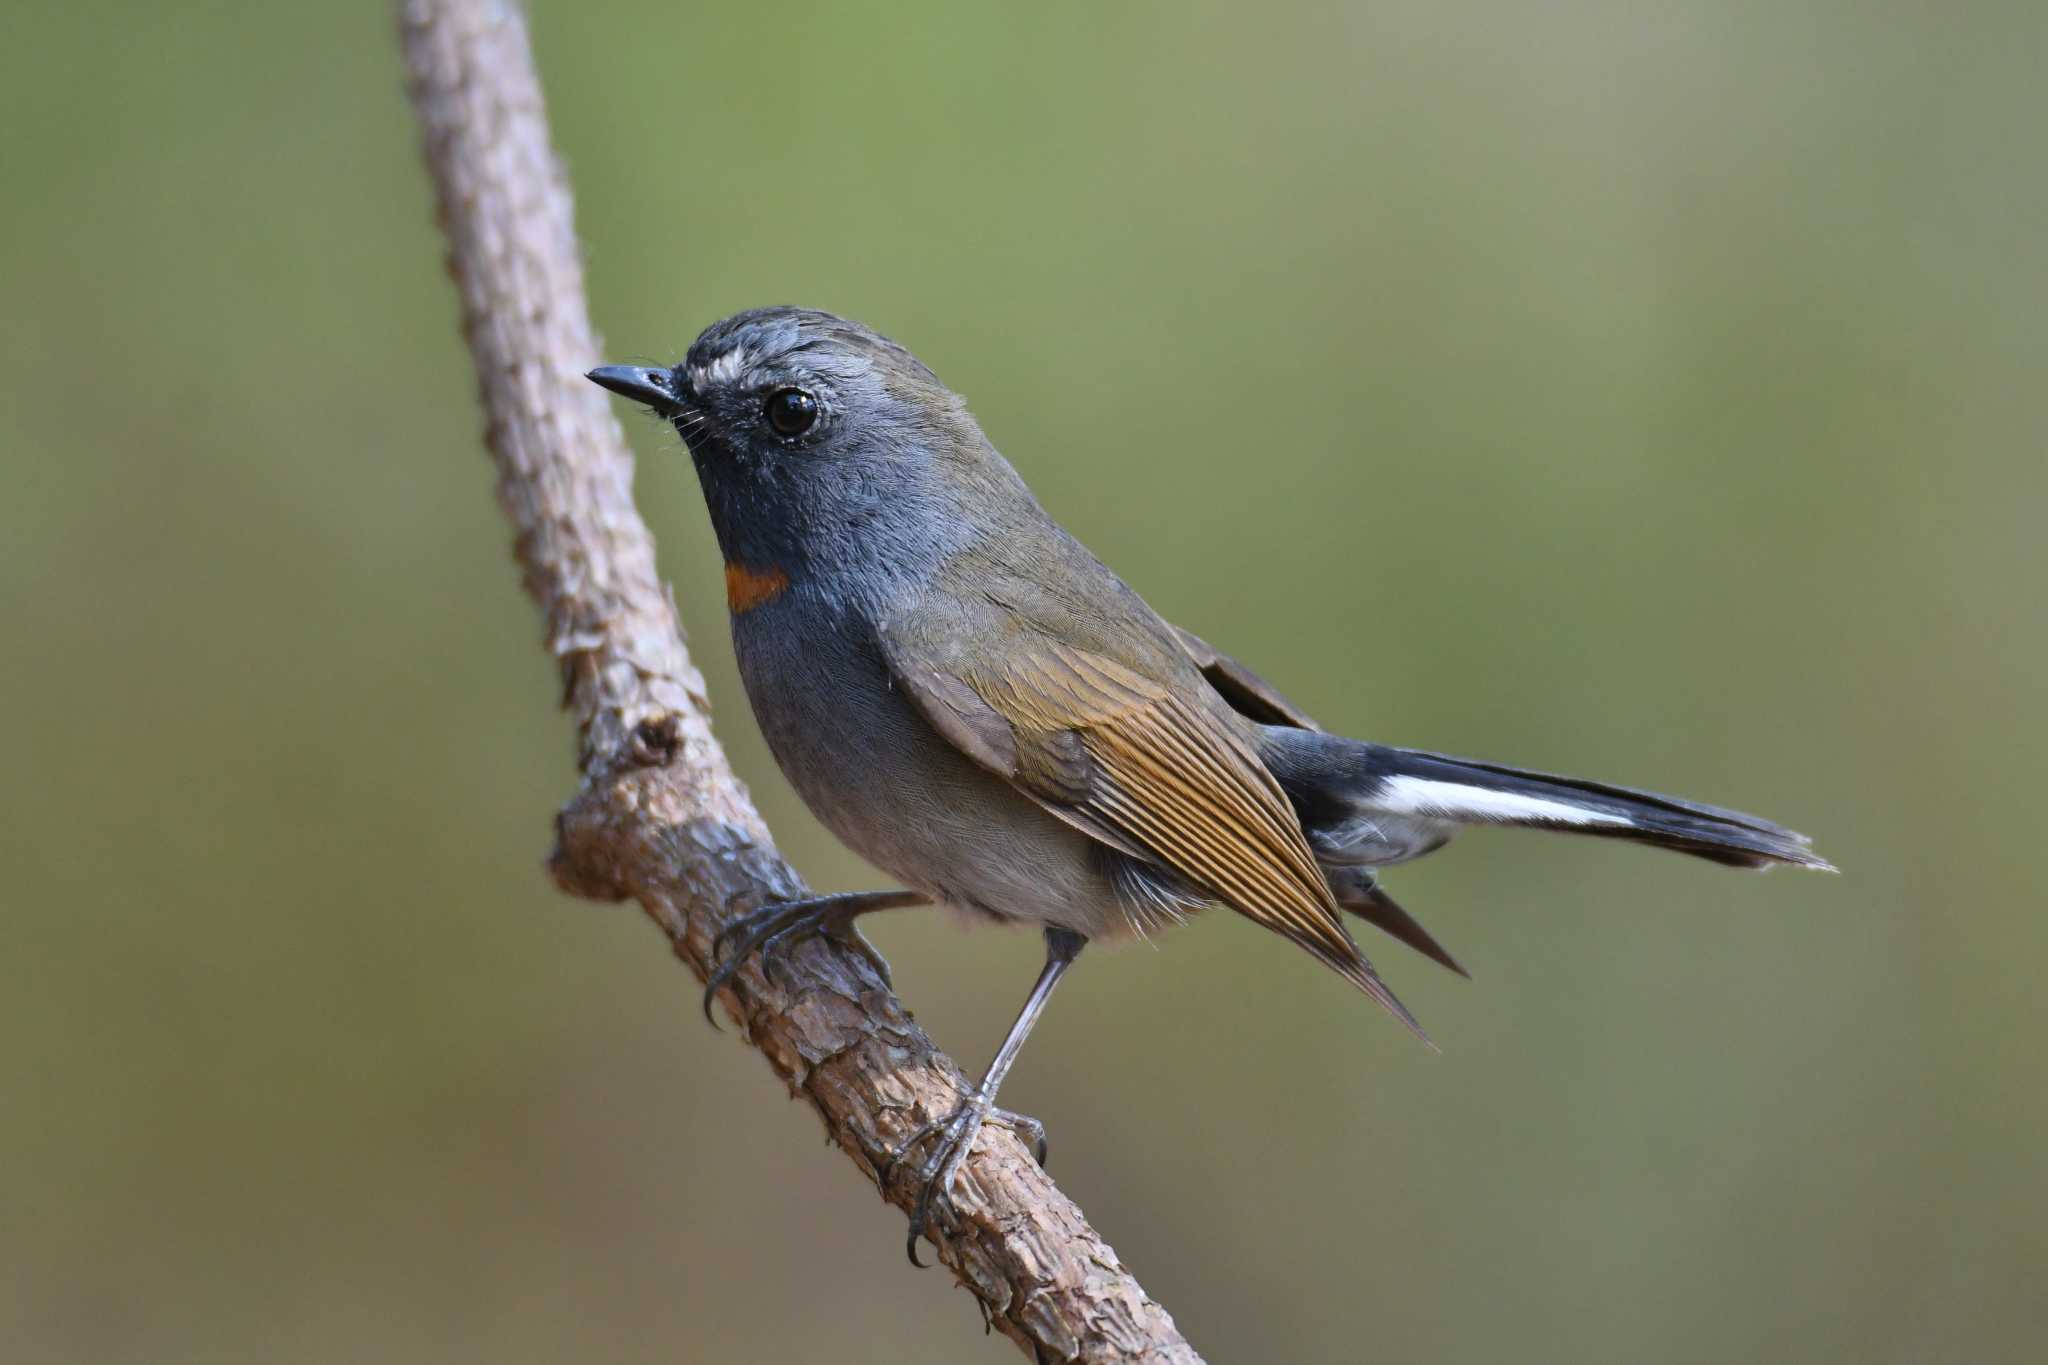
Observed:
{"x":1122,"y":757}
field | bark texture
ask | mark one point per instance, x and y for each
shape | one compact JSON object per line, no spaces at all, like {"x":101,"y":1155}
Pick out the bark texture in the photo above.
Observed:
{"x":659,"y":817}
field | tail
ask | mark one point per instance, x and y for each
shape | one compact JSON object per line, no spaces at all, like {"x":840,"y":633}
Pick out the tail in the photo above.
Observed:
{"x":1414,"y":784}
{"x":1367,"y":806}
{"x":1358,"y":890}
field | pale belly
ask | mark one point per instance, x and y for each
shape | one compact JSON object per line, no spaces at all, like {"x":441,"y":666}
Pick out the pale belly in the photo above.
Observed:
{"x":891,"y":789}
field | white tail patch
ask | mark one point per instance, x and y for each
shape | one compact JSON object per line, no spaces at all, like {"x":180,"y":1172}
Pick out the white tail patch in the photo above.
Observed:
{"x":1456,"y":801}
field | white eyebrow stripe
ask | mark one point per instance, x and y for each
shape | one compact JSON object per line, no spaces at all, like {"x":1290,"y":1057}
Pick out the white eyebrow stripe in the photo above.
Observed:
{"x":724,"y":369}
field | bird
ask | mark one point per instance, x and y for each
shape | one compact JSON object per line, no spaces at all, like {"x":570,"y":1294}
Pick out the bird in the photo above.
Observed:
{"x":974,"y":703}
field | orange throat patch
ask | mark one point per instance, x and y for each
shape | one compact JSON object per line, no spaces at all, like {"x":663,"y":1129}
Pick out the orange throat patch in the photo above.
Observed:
{"x":747,"y":588}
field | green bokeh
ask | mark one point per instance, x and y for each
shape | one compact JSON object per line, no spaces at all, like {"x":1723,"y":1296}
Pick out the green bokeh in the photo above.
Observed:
{"x":1654,"y":391}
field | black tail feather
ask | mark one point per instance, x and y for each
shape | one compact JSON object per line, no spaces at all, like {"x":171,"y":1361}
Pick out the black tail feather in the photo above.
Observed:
{"x":1418,"y":783}
{"x":1358,"y":890}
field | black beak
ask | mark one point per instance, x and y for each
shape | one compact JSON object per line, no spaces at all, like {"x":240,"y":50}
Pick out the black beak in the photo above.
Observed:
{"x":641,"y":385}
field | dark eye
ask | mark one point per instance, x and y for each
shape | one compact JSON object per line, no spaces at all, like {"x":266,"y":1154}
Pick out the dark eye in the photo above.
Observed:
{"x":791,"y":411}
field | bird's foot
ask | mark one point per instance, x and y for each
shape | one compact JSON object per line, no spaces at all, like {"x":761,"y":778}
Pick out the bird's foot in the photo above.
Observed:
{"x":774,"y":929}
{"x":955,"y":1136}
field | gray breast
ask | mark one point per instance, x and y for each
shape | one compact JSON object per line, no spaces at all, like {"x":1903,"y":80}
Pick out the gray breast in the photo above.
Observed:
{"x":876,"y":774}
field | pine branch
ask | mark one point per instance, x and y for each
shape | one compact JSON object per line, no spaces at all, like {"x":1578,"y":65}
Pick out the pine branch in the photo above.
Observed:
{"x":659,"y":817}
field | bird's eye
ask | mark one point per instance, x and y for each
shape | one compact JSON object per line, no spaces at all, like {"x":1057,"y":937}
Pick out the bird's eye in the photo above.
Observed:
{"x":791,"y":411}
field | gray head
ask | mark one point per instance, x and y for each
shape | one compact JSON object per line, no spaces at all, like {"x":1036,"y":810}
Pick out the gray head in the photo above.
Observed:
{"x":819,"y":442}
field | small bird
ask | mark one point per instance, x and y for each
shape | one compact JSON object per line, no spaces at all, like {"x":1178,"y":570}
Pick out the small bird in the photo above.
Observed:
{"x":972,"y":702}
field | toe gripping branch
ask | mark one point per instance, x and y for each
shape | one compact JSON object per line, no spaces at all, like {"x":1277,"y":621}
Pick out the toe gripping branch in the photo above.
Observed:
{"x":956,"y":1133}
{"x":779,"y":926}
{"x":775,"y":928}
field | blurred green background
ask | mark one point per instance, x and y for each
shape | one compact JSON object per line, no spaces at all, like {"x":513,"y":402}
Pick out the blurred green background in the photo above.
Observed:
{"x":1648,"y":391}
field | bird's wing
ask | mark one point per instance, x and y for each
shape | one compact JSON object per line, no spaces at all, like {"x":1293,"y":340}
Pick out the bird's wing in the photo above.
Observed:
{"x":1129,"y":762}
{"x":1249,"y":694}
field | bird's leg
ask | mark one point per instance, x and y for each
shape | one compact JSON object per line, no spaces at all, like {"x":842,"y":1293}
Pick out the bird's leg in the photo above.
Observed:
{"x":780,"y":924}
{"x":956,"y":1132}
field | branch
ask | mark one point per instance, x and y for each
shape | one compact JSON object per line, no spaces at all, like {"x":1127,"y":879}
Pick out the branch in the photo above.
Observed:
{"x":659,"y":817}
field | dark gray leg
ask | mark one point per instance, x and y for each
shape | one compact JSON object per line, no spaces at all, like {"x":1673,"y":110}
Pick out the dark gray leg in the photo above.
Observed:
{"x":956,"y":1132}
{"x":780,"y":925}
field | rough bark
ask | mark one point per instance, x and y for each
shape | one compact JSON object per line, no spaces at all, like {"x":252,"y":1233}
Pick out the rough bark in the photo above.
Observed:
{"x":659,"y":817}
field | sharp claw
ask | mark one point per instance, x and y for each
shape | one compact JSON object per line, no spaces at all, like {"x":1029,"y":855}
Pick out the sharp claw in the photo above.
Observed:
{"x":848,"y":934}
{"x":904,"y":1148}
{"x":771,"y":964}
{"x":711,"y":989}
{"x":777,"y":945}
{"x":921,"y":1216}
{"x":920,"y":1212}
{"x":875,"y":960}
{"x":771,"y":930}
{"x":721,"y":973}
{"x":747,"y":934}
{"x":956,"y":1133}
{"x":1029,"y":1131}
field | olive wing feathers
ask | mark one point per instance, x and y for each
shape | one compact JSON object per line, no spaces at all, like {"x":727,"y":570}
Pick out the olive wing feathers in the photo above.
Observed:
{"x":1248,"y":694}
{"x":1130,"y":762}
